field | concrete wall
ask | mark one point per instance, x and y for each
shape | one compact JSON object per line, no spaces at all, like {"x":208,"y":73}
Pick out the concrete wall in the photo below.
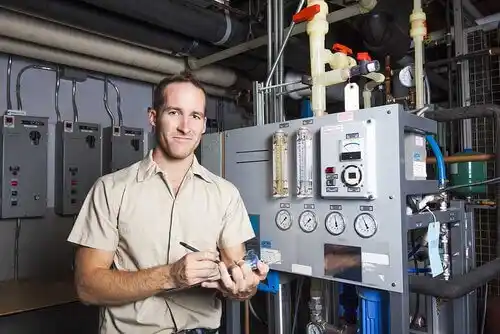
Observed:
{"x":43,"y":251}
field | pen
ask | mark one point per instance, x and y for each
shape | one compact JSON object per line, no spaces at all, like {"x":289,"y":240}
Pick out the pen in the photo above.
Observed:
{"x":191,"y":248}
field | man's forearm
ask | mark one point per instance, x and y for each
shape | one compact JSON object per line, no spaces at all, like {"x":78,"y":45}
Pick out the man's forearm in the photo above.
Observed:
{"x":114,"y":287}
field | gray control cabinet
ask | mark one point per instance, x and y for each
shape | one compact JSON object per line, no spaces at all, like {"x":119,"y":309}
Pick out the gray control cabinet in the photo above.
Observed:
{"x":78,"y":147}
{"x":352,"y":227}
{"x":24,"y":166}
{"x":122,"y":147}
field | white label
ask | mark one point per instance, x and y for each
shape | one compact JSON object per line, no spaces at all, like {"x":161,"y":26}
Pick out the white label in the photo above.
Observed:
{"x":346,"y":116}
{"x":454,"y":168}
{"x":382,"y":259}
{"x":419,"y":169}
{"x":302,"y":270}
{"x":270,"y":256}
{"x":433,"y":244}
{"x":351,"y":97}
{"x":419,"y":141}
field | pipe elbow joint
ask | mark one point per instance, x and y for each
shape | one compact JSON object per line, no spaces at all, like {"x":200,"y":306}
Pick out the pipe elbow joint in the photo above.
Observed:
{"x":367,"y":5}
{"x":418,"y":26}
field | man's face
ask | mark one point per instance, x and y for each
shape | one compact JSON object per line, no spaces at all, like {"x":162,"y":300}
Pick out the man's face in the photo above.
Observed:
{"x":180,"y":123}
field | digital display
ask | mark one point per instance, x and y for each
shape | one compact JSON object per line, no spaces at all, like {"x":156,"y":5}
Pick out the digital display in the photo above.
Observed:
{"x":346,"y":156}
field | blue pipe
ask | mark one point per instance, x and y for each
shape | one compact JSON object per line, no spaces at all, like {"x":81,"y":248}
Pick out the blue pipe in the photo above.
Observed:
{"x":419,"y":270}
{"x":439,"y":160}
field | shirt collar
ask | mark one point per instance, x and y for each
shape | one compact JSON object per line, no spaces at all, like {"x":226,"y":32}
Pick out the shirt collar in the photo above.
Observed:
{"x":148,"y":167}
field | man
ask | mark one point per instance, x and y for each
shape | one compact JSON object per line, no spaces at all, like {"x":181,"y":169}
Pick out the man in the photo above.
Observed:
{"x":132,"y":222}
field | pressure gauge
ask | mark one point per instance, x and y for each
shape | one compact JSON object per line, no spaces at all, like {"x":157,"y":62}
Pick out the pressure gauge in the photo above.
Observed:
{"x":283,"y":219}
{"x":365,"y":225}
{"x":407,"y":77}
{"x":335,"y":223}
{"x":313,"y":328}
{"x":308,"y":221}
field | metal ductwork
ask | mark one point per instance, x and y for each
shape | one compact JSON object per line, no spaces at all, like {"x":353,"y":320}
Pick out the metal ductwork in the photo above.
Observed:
{"x":202,"y":25}
{"x":29,"y":29}
{"x":193,"y":21}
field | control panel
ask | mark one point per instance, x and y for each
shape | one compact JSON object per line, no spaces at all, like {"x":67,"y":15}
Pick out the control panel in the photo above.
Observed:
{"x":327,"y":192}
{"x":122,"y":147}
{"x":78,"y":153}
{"x":24,"y":166}
{"x":348,"y":160}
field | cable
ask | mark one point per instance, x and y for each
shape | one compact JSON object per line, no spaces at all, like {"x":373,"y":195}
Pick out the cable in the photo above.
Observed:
{"x":417,"y":302}
{"x":441,"y":167}
{"x":252,"y":310}
{"x":16,"y":249}
{"x":493,"y":180}
{"x":483,"y":322}
{"x":298,"y":293}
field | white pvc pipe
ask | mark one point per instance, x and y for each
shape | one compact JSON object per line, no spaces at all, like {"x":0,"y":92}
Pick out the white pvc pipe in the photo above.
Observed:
{"x":24,"y":49}
{"x":54,"y":35}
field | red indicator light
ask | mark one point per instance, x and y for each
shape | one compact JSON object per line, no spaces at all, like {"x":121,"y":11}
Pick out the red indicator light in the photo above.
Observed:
{"x":13,"y":183}
{"x":330,"y":170}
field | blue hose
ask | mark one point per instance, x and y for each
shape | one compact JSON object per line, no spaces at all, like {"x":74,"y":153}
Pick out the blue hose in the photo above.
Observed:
{"x":439,"y":160}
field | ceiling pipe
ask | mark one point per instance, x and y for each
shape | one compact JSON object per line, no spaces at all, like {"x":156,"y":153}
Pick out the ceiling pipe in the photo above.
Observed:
{"x":30,"y":50}
{"x":29,"y":29}
{"x":83,"y":17}
{"x":217,"y":28}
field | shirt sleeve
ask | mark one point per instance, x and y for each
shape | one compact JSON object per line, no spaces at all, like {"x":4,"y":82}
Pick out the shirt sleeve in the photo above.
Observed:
{"x":96,"y":225}
{"x":236,"y":225}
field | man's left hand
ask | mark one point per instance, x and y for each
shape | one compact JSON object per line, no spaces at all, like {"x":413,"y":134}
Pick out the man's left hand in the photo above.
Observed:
{"x":243,"y":283}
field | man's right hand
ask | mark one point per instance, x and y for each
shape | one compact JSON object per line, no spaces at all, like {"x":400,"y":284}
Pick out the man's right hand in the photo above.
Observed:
{"x":194,"y":268}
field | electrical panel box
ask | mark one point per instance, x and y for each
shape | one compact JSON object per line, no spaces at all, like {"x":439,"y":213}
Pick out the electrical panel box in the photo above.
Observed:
{"x":24,"y":166}
{"x":348,"y":160}
{"x":77,"y":165}
{"x":285,"y":173}
{"x":122,"y":147}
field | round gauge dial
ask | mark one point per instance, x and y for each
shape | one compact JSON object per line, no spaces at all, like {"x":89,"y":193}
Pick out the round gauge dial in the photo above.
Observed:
{"x":308,"y":221}
{"x":313,"y":329}
{"x":335,"y":223}
{"x":283,"y":219}
{"x":407,"y":77}
{"x":365,"y":225}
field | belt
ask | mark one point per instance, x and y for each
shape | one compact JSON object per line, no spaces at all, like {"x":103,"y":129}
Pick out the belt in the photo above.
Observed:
{"x":199,"y":331}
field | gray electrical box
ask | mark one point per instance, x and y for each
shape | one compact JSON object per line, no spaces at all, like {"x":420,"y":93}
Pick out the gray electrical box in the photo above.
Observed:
{"x":24,"y":166}
{"x":122,"y":147}
{"x":78,"y":164}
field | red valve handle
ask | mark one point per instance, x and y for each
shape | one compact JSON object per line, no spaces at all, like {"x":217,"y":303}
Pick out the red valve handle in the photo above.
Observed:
{"x":363,"y":56}
{"x":342,"y":48}
{"x":306,"y":14}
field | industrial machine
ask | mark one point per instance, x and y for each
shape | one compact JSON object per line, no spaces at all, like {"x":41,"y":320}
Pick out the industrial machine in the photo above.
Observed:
{"x":122,"y":145}
{"x":78,"y":153}
{"x":343,"y":201}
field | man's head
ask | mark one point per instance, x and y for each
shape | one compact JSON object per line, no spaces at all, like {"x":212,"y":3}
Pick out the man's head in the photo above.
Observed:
{"x":178,"y":115}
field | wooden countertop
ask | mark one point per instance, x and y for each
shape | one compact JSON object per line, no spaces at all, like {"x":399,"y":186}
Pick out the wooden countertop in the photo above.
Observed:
{"x":30,"y":294}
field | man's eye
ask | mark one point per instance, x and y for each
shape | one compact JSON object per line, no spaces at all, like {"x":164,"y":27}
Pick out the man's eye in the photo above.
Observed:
{"x":173,"y":112}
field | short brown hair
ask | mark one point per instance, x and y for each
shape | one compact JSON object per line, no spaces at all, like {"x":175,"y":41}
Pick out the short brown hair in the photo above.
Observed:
{"x":158,"y":99}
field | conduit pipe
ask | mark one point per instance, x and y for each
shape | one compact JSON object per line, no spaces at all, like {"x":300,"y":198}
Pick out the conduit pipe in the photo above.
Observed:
{"x":363,"y":6}
{"x":463,"y":158}
{"x":375,"y":80}
{"x":57,"y":36}
{"x":417,"y":32}
{"x":30,"y":50}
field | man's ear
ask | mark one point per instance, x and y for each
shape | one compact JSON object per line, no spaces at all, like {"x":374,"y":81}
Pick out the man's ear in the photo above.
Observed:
{"x":204,"y":125}
{"x":152,"y":117}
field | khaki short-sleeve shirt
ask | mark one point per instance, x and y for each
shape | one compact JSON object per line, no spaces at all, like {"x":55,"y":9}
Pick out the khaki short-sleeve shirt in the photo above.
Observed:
{"x":133,"y":213}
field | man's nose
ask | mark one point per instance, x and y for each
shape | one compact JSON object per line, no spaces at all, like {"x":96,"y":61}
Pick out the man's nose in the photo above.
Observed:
{"x":183,"y":125}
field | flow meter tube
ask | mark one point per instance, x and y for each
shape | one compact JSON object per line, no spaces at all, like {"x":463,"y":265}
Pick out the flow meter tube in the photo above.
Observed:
{"x":304,"y":163}
{"x":280,"y":159}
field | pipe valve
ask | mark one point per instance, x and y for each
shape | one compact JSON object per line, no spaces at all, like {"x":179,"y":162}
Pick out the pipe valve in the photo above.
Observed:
{"x":365,"y":67}
{"x":306,"y":14}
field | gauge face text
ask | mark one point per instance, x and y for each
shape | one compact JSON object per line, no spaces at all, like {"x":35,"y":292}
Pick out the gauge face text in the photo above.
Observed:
{"x":365,"y":225}
{"x":335,"y":223}
{"x":283,"y":219}
{"x":308,"y":221}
